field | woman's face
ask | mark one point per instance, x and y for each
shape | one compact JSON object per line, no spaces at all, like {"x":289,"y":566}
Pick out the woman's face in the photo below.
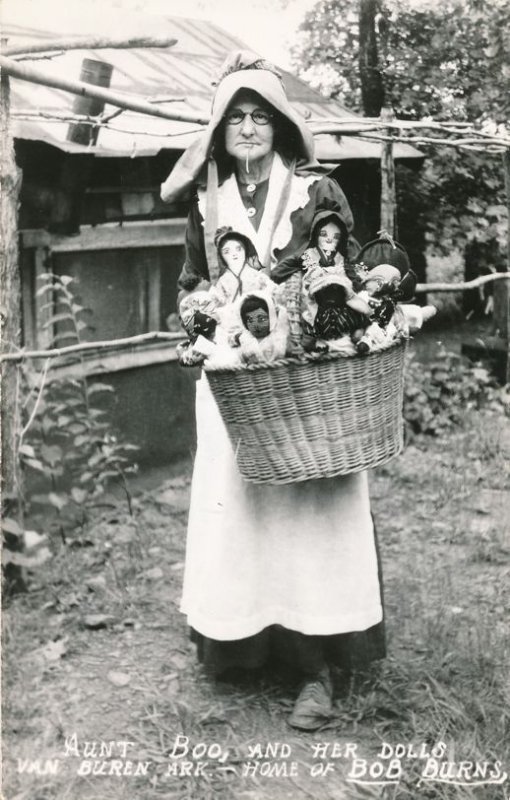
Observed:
{"x":247,"y":139}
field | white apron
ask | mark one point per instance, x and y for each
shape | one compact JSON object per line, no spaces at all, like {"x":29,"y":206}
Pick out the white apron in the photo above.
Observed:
{"x":300,"y":555}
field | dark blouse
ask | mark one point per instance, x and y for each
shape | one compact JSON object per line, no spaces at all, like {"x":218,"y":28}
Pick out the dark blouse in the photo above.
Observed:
{"x":324,"y":190}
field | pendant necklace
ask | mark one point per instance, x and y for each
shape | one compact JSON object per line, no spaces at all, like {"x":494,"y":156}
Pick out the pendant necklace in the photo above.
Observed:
{"x":250,"y":188}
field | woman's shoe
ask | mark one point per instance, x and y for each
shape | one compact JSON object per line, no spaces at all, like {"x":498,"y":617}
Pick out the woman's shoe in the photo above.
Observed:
{"x":314,"y":705}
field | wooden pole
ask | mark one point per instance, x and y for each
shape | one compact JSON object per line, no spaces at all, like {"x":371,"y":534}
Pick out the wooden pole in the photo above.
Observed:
{"x":388,"y":200}
{"x":10,"y":281}
{"x":372,"y":89}
{"x":88,"y":43}
{"x":502,"y":298}
{"x":34,"y":75}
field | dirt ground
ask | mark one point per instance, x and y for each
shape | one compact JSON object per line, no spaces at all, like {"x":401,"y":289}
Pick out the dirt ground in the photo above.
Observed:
{"x":99,"y":674}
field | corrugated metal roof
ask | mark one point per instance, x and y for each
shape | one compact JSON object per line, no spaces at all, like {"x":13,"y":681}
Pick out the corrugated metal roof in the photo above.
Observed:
{"x":184,"y":71}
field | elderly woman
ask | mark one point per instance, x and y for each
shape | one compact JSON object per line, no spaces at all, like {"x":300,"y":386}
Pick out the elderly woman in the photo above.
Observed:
{"x":272,"y":572}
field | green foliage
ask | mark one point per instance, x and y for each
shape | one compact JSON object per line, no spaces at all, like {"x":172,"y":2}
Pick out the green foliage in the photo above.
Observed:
{"x":437,"y":395}
{"x":445,"y":60}
{"x":448,"y":60}
{"x":66,"y":448}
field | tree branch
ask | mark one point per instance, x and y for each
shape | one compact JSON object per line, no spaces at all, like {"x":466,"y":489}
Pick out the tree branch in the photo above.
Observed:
{"x":34,"y":75}
{"x":89,"y":43}
{"x":460,"y":287}
{"x":176,"y":337}
{"x":77,"y":348}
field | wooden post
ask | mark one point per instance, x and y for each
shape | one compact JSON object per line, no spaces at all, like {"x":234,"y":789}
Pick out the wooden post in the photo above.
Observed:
{"x":11,"y":328}
{"x":502,"y":294}
{"x":388,"y":200}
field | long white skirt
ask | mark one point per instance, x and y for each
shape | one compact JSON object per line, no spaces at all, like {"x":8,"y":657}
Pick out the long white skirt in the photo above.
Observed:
{"x":300,"y":555}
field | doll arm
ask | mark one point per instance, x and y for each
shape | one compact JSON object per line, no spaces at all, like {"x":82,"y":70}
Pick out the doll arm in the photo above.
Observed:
{"x":280,"y":335}
{"x":285,"y":268}
{"x":415,"y":315}
{"x":249,"y":349}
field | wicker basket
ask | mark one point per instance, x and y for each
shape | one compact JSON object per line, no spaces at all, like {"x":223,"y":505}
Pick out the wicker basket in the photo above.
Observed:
{"x":313,"y":417}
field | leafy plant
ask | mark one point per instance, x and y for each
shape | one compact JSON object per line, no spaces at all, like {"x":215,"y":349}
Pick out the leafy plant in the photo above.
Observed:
{"x":65,"y":445}
{"x":437,"y":395}
{"x":443,"y":60}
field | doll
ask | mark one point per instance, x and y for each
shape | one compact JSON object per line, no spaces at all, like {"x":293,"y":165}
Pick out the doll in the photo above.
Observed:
{"x":202,"y":318}
{"x":240,"y":269}
{"x":331,"y":310}
{"x":327,"y":247}
{"x":199,"y":318}
{"x":384,"y":288}
{"x":264,"y":328}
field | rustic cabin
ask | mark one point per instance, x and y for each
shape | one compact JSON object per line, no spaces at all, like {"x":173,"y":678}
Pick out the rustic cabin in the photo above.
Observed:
{"x":90,"y":207}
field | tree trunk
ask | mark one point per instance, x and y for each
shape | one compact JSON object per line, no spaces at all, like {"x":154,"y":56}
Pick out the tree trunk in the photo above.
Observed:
{"x":11,"y":326}
{"x":372,"y":90}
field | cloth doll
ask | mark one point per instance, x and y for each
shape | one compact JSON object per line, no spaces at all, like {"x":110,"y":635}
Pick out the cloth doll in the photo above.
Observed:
{"x":240,"y":269}
{"x":327,"y":248}
{"x":331,"y":310}
{"x":201,"y":317}
{"x":264,"y":328}
{"x":384,"y":289}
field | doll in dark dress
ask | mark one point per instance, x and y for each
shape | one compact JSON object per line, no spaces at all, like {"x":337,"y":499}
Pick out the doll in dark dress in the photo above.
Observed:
{"x":331,"y":311}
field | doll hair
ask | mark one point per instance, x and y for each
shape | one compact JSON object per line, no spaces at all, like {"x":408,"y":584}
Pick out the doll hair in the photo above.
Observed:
{"x":331,"y":293}
{"x":252,"y":303}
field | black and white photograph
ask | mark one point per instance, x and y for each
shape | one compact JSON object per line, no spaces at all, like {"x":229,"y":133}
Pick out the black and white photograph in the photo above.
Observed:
{"x":255,"y":399}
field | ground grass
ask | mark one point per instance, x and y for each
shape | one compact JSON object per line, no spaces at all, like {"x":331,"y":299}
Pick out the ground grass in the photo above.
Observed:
{"x":443,"y":523}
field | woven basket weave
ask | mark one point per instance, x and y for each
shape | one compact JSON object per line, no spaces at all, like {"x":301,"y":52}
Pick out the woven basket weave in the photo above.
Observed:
{"x":313,"y":417}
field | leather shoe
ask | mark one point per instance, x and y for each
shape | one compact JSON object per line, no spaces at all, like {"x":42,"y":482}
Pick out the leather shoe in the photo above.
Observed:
{"x":314,"y":705}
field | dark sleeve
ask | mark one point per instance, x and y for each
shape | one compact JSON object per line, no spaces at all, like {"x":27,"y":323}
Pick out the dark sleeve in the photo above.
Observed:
{"x":195,"y":263}
{"x":284,"y":269}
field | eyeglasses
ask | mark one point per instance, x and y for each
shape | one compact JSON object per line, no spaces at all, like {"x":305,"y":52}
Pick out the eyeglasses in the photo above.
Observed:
{"x":259,"y":116}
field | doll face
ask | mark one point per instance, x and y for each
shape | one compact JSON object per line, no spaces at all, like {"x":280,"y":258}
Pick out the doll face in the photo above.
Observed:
{"x":257,"y":322}
{"x":204,"y":325}
{"x":233,"y":253}
{"x":328,"y":237}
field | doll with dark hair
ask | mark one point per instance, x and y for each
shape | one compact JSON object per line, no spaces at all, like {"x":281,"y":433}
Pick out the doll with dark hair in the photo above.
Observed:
{"x":331,"y":310}
{"x":199,"y":318}
{"x":209,"y":342}
{"x":255,"y":316}
{"x":327,"y":247}
{"x":384,"y":289}
{"x":240,"y":269}
{"x":264,"y":329}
